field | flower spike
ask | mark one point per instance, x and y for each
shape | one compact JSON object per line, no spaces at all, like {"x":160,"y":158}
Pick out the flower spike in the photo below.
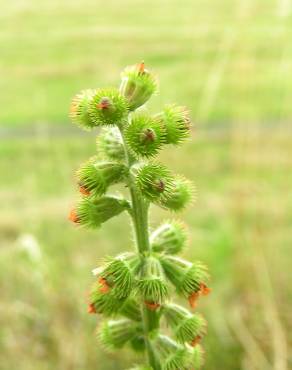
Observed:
{"x":133,"y":290}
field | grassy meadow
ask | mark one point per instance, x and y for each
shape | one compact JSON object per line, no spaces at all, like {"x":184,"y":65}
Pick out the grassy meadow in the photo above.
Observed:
{"x":230,"y":62}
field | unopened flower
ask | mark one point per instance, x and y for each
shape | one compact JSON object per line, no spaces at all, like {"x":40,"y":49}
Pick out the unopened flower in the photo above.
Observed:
{"x":137,"y":85}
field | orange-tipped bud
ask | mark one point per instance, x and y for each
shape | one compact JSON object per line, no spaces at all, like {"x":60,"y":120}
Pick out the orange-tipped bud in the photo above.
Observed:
{"x":152,"y":306}
{"x":83,"y":190}
{"x":104,"y":285}
{"x":196,"y":340}
{"x":141,"y":67}
{"x":204,"y":290}
{"x":91,"y":308}
{"x":193,"y":298}
{"x":73,"y":216}
{"x":104,"y":103}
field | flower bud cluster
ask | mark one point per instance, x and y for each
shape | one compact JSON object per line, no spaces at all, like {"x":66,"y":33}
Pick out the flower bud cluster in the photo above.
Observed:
{"x":133,"y":290}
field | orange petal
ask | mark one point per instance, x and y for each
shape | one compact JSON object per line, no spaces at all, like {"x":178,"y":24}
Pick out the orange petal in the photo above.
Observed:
{"x":73,"y":216}
{"x":141,"y":67}
{"x":91,"y":308}
{"x":196,"y":340}
{"x":83,"y":190}
{"x":193,"y":299}
{"x":204,"y":289}
{"x":104,"y":285}
{"x":152,"y":306}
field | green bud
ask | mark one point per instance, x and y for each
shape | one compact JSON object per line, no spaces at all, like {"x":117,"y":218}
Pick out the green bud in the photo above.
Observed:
{"x":118,"y":274}
{"x":108,"y":107}
{"x":79,"y":113}
{"x":96,"y":176}
{"x":181,"y":194}
{"x":93,"y":212}
{"x":187,"y":277}
{"x":114,"y":334}
{"x":104,"y":299}
{"x":131,"y":310}
{"x":145,"y":135}
{"x":173,"y":356}
{"x":169,"y":238}
{"x":154,"y":181}
{"x":198,"y":357}
{"x":110,"y":143}
{"x":186,"y":326}
{"x":177,"y":123}
{"x":137,"y":85}
{"x":152,"y":285}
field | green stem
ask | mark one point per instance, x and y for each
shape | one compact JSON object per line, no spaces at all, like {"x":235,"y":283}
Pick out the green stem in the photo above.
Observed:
{"x":140,"y":221}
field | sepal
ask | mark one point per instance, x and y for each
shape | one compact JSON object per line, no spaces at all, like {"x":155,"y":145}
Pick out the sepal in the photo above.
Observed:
{"x":154,"y":181}
{"x":145,"y":135}
{"x":118,"y":274}
{"x":108,"y":107}
{"x":198,"y":357}
{"x":169,"y":238}
{"x":176,"y":122}
{"x":93,"y":212}
{"x":114,"y":334}
{"x":173,"y":356}
{"x":137,"y":85}
{"x":152,"y":285}
{"x":79,"y":109}
{"x":96,"y":176}
{"x":181,"y":194}
{"x":110,"y":144}
{"x":103,"y":299}
{"x":131,"y":310}
{"x":187,"y":327}
{"x":188,"y":278}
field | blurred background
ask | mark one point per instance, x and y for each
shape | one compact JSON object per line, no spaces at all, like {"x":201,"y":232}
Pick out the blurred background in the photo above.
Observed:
{"x":230,"y":61}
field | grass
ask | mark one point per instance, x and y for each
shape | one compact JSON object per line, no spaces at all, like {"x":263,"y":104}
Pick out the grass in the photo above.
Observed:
{"x":239,"y":226}
{"x":229,"y":62}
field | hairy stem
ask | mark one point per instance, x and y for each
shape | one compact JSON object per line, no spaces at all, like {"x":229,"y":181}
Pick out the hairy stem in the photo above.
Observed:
{"x":140,"y":222}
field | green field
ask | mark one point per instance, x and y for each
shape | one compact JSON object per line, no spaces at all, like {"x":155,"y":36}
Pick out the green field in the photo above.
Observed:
{"x":230,"y":62}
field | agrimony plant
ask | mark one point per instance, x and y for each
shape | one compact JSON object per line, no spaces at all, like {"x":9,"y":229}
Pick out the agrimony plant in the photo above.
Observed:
{"x":134,"y":291}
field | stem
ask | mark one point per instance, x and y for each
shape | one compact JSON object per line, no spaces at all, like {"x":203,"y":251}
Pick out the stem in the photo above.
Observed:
{"x":140,"y":221}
